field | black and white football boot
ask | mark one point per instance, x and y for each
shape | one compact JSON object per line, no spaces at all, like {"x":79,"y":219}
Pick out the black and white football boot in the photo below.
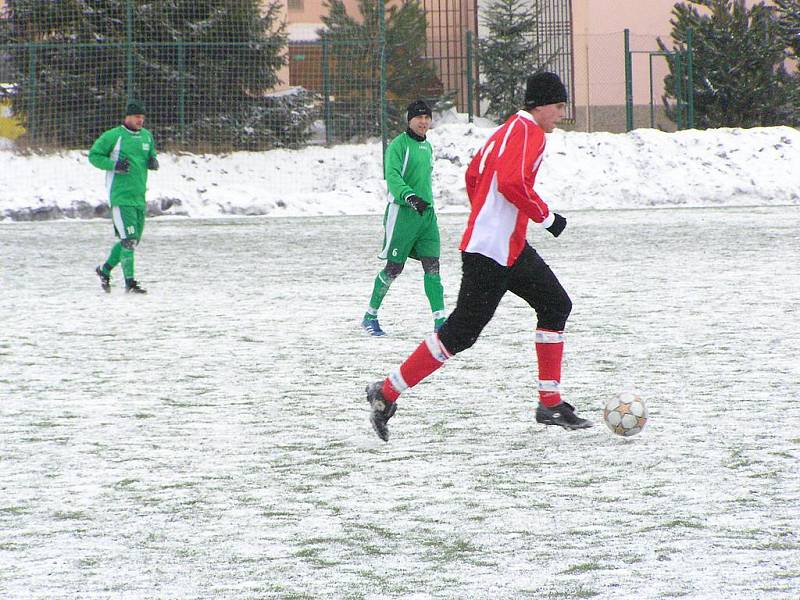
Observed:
{"x":562,"y":414}
{"x":105,"y":280}
{"x":381,"y":410}
{"x":132,"y":287}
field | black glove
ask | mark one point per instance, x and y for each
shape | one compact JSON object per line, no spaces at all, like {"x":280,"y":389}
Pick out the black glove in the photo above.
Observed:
{"x":152,"y":163}
{"x":123,"y":165}
{"x":417,"y":203}
{"x":558,"y":225}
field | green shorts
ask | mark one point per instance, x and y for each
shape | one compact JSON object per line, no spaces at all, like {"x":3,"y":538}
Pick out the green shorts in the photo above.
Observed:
{"x":128,"y":222}
{"x":409,"y":234}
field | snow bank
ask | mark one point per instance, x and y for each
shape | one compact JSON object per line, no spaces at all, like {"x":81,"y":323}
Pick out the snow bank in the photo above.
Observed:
{"x":643,"y":168}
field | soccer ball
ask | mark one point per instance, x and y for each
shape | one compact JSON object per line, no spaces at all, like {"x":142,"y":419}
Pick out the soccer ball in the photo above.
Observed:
{"x":626,"y":414}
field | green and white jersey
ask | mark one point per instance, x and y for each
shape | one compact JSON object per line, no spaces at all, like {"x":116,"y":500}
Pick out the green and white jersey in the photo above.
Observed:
{"x":124,"y":189}
{"x":408,"y":169}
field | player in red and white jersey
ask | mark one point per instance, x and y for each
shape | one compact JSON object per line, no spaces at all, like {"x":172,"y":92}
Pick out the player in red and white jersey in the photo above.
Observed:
{"x":496,"y":258}
{"x":500,"y":182}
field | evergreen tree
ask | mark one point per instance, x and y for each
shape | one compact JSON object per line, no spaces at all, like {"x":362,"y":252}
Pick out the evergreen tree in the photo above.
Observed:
{"x":788,"y":12}
{"x":508,"y":55}
{"x":789,"y":18}
{"x":191,"y":62}
{"x":352,"y":56}
{"x":739,"y":75}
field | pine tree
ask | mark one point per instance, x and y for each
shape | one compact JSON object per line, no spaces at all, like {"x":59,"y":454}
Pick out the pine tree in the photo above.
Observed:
{"x":738,"y":56}
{"x":200,"y":66}
{"x":788,"y":13}
{"x":508,"y":54}
{"x":789,"y":20}
{"x":353,"y":65}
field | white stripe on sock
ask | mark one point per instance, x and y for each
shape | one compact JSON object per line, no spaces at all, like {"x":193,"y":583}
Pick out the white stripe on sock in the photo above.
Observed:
{"x":548,"y":385}
{"x":397,"y":381}
{"x":549,"y":337}
{"x":435,"y":347}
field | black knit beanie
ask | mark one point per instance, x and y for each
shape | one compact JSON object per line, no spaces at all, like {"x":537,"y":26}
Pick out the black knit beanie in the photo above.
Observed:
{"x":134,"y":108}
{"x":544,"y":88}
{"x":417,"y":108}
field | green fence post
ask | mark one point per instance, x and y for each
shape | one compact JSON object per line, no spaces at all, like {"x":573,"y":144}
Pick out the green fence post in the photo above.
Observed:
{"x":129,"y":48}
{"x":678,"y":90}
{"x":690,"y":79}
{"x":181,"y":90}
{"x":470,"y":83}
{"x":382,"y":50}
{"x":326,"y":93}
{"x":628,"y":82}
{"x":31,"y":125}
{"x":652,"y":109}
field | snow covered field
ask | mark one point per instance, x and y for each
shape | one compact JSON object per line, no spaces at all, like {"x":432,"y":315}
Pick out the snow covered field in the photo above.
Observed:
{"x":210,"y":440}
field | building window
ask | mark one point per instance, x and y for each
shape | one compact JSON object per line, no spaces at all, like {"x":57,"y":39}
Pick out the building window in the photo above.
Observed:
{"x":295,"y":4}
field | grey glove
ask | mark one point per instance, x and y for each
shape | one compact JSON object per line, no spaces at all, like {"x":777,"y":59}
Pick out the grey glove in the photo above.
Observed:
{"x":417,"y":203}
{"x":152,"y":163}
{"x":558,"y":225}
{"x":123,"y":165}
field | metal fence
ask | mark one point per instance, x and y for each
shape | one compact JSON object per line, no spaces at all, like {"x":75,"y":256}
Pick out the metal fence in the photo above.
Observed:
{"x":213,"y":77}
{"x":611,"y":96}
{"x":556,"y":40}
{"x":452,"y":31}
{"x":211,"y":84}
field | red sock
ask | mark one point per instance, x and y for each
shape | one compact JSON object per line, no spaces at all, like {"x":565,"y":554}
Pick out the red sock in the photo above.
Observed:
{"x":549,"y":350}
{"x":429,"y":356}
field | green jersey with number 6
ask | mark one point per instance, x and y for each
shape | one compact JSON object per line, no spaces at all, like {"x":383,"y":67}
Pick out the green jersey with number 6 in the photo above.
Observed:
{"x":124,"y":189}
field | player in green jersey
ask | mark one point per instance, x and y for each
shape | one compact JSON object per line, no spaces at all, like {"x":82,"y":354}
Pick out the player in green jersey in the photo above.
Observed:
{"x":410,"y":225}
{"x":127,"y":152}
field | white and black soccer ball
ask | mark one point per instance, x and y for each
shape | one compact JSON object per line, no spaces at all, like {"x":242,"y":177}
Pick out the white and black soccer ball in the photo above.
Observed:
{"x":625,"y":415}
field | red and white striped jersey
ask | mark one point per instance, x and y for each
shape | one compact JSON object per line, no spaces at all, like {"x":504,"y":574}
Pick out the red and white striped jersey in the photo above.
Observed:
{"x":500,"y":181}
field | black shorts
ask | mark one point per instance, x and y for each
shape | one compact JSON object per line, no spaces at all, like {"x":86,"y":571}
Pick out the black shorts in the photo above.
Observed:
{"x":484,"y":282}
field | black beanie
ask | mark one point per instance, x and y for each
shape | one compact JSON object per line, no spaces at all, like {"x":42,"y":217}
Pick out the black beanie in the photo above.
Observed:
{"x":544,"y":88}
{"x":417,"y":108}
{"x":134,"y":108}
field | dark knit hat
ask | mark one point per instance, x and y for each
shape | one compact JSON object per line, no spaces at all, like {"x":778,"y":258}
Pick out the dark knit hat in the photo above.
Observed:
{"x":417,"y":108}
{"x":544,"y":88}
{"x":134,"y":108}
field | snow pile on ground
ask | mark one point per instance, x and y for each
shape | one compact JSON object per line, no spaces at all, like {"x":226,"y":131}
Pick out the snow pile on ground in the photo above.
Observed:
{"x":643,"y":168}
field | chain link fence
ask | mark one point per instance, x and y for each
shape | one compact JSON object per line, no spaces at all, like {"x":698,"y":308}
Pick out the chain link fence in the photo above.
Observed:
{"x":223,"y":75}
{"x":207,"y":73}
{"x":217,"y":75}
{"x":600,"y":83}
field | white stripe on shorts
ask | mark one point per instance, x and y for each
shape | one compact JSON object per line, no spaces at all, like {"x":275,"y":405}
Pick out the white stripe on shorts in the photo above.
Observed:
{"x":391,"y":221}
{"x":116,"y":216}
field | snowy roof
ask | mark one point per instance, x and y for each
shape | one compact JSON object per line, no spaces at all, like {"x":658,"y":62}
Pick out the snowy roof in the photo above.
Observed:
{"x":304,"y":32}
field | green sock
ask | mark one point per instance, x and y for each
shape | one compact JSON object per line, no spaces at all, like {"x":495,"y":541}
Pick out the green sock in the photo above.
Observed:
{"x":435,"y":293}
{"x":113,"y":258}
{"x":126,"y":258}
{"x":379,"y":289}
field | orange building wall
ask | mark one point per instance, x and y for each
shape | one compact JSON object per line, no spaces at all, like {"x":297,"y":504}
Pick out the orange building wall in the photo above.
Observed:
{"x":598,"y":38}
